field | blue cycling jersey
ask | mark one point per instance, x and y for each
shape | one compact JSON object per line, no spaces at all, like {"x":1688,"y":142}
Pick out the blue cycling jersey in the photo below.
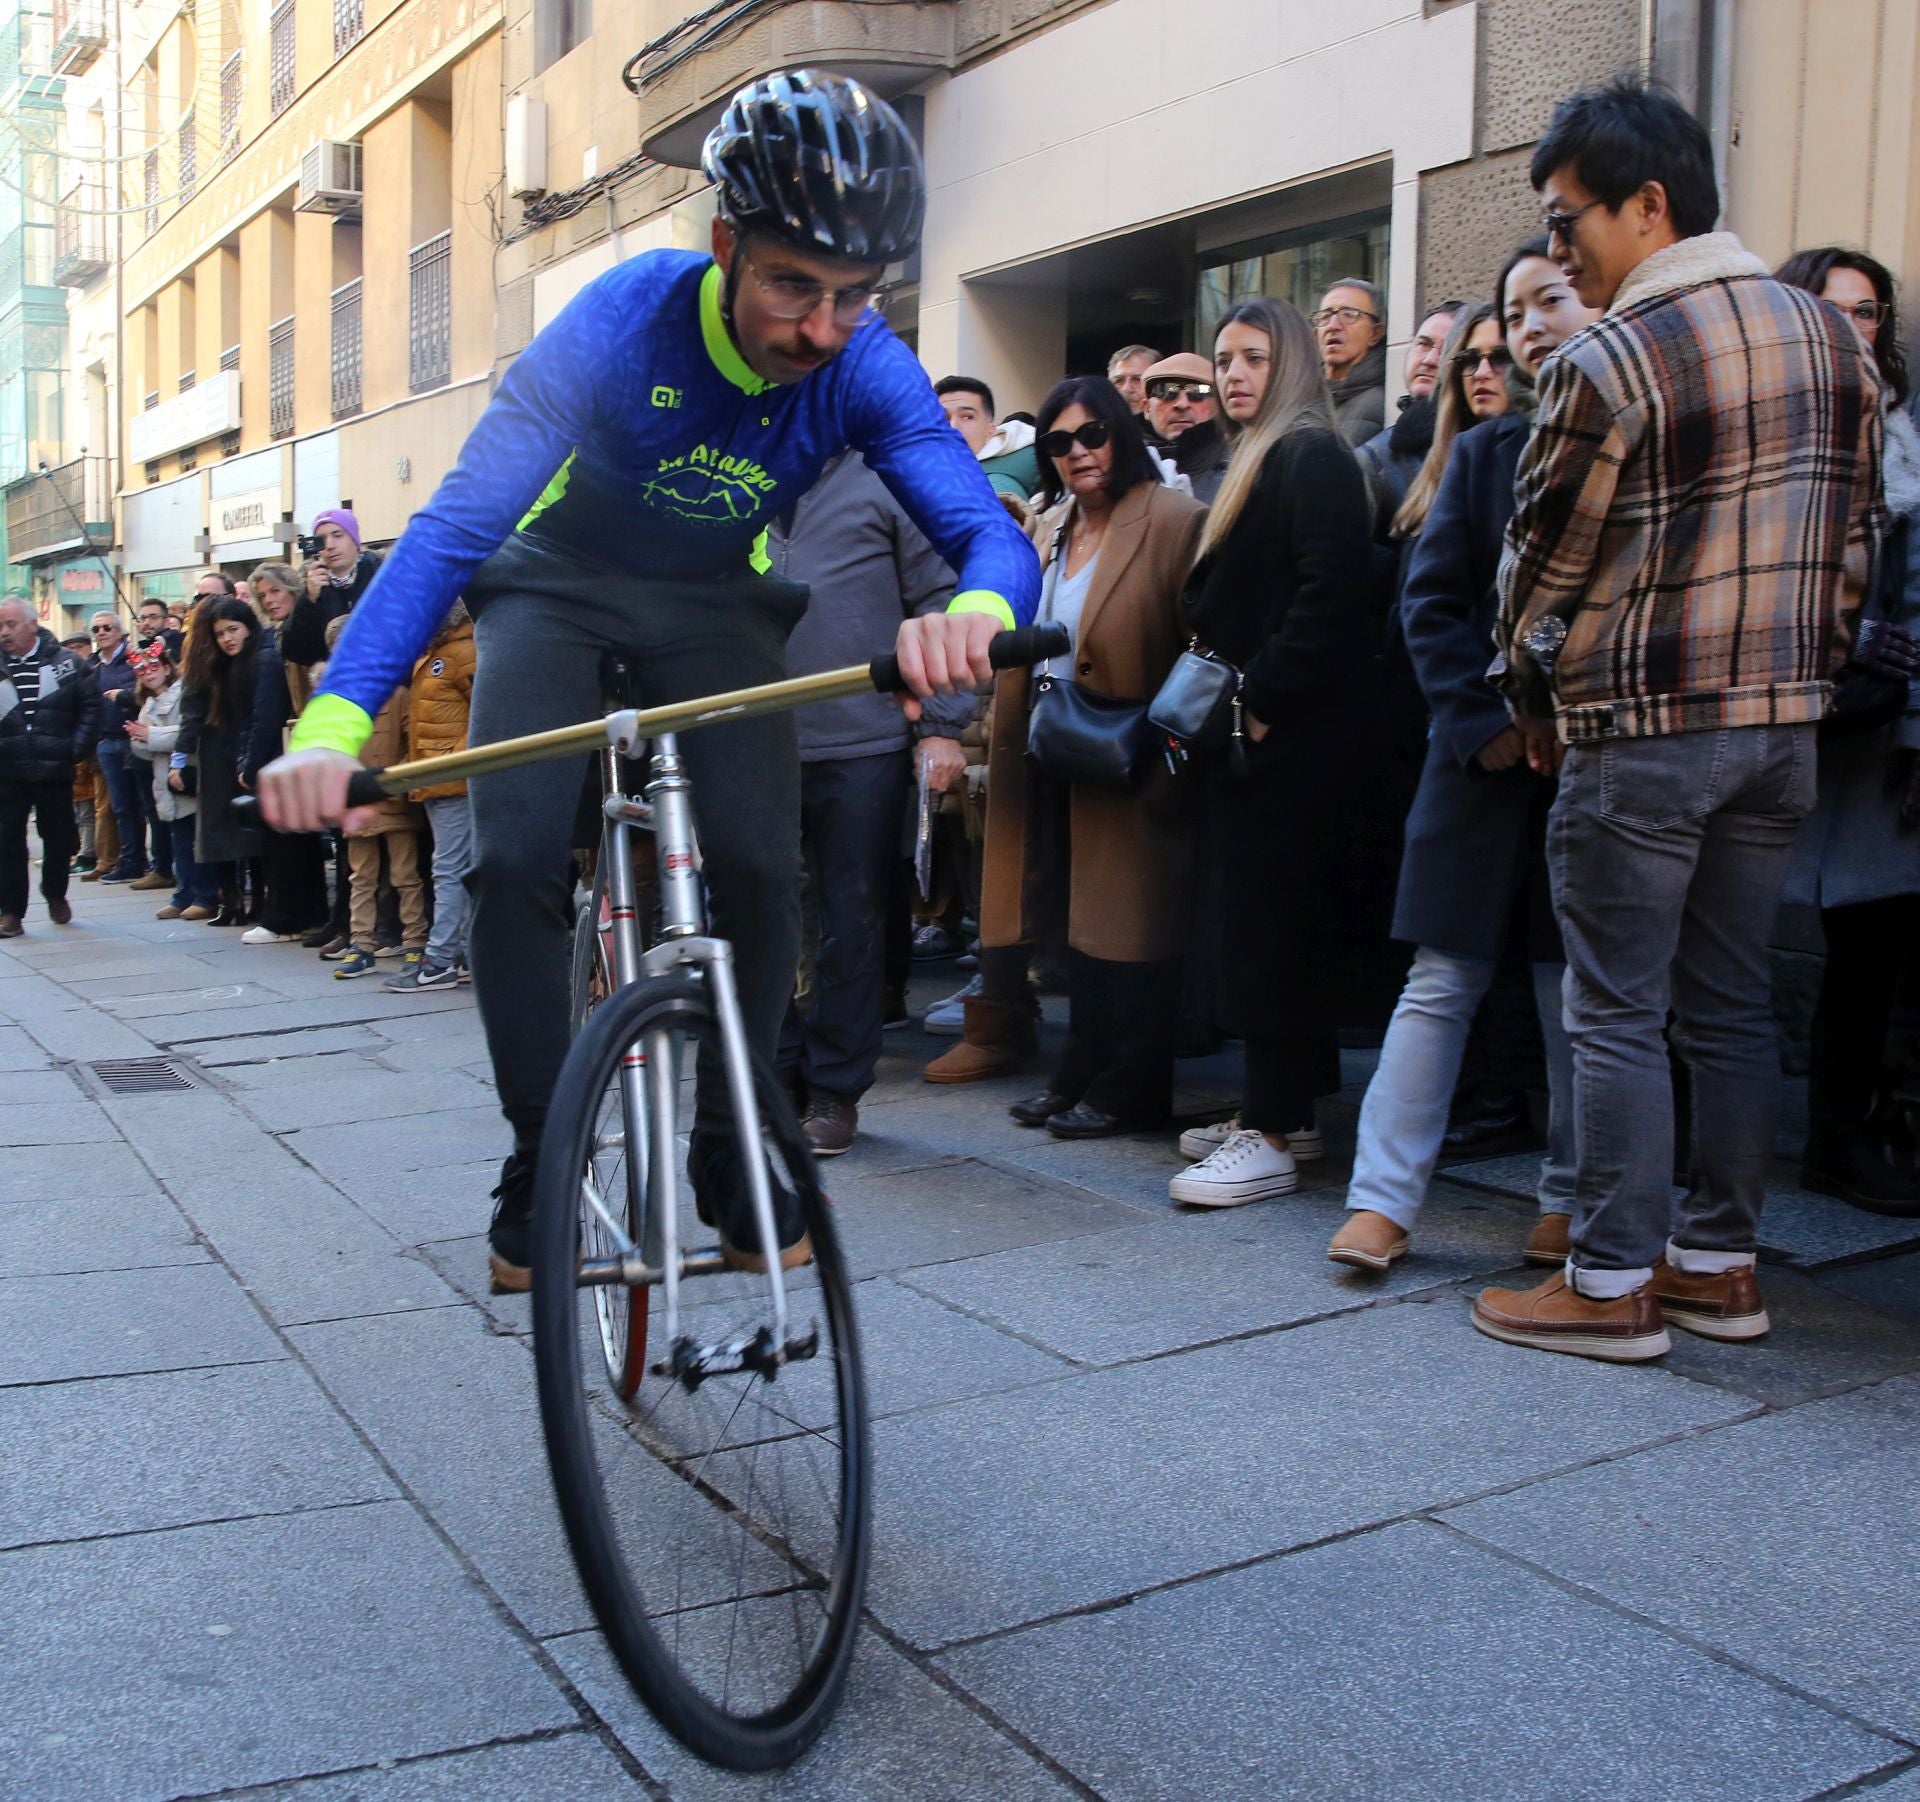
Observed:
{"x":632,"y":431}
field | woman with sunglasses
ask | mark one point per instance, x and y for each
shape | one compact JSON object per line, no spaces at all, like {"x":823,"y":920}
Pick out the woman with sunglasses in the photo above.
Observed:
{"x":1858,"y":856}
{"x":1116,"y":547}
{"x":1279,"y":590}
{"x":1474,"y":876}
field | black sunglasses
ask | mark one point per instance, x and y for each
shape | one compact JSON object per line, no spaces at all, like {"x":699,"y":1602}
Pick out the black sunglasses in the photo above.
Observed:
{"x":1089,"y":436}
{"x":1178,"y":387}
{"x":1500,"y":359}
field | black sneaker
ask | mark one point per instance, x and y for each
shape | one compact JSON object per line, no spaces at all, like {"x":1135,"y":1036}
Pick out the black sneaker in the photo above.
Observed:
{"x":510,"y":1237}
{"x":721,"y":1201}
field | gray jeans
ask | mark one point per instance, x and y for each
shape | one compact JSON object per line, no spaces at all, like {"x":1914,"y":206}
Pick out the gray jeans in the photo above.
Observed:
{"x":451,"y":817}
{"x":1667,"y":856}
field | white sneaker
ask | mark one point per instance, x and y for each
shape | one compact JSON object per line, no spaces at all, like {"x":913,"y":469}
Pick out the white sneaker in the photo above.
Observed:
{"x":1245,"y":1168}
{"x":948,"y":1019}
{"x":1198,"y":1142}
{"x":259,"y":935}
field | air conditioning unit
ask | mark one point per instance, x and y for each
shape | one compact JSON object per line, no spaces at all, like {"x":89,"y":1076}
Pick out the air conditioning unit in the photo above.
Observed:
{"x":330,"y":180}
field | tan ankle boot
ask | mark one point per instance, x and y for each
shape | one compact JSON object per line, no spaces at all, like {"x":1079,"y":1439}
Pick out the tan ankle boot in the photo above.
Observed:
{"x":998,"y":1037}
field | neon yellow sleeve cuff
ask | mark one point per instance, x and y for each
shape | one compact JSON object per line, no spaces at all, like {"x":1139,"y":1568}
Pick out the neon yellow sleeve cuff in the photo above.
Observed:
{"x":331,"y":723}
{"x":984,"y":600}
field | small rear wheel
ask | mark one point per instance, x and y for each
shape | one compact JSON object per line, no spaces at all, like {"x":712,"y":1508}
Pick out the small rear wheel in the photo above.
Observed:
{"x":720,"y":1525}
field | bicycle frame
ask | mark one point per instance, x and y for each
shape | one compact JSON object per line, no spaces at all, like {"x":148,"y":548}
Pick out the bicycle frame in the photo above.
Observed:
{"x":651,"y":1073}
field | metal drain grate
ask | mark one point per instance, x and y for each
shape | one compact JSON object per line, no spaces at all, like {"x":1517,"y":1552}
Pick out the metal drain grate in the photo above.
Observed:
{"x":138,"y":1075}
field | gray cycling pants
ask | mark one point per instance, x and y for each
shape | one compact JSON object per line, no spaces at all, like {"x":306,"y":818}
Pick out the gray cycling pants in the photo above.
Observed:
{"x":544,"y":620}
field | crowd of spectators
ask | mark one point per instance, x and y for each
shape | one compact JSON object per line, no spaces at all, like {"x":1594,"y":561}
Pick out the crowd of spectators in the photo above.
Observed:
{"x":1530,"y":682}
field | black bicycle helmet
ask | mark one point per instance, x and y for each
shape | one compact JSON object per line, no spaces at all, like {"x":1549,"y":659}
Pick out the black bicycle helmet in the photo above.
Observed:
{"x":822,"y":162}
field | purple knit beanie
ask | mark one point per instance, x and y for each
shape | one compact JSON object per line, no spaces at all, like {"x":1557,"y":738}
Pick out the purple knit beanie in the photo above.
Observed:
{"x":338,"y":516}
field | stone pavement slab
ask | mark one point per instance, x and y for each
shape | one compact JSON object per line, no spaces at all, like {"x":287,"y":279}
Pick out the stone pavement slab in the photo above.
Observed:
{"x":84,"y":1232}
{"x":252,"y":1651}
{"x":424,"y":1142}
{"x":1402,"y":1664}
{"x":1892,"y":1286}
{"x":369,"y":1095}
{"x":314,"y":1072}
{"x":74,"y":1121}
{"x":446,"y":1201}
{"x":895,"y":1219}
{"x":129,"y":1454}
{"x":1210,"y":1276}
{"x":53,"y":1172}
{"x":41,"y":1088}
{"x":1013,"y":1507}
{"x":1785,"y":1541}
{"x":898,"y":1737}
{"x":568,"y":1767}
{"x":304,"y":1043}
{"x":113,"y":1323}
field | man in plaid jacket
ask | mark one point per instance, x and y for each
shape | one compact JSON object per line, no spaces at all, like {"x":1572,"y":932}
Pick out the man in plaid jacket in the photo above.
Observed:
{"x":1696,"y":514}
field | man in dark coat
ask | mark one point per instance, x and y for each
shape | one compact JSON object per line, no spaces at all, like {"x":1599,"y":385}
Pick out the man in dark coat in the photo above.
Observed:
{"x":1183,"y":408}
{"x":48,"y":714}
{"x":1352,"y":328}
{"x":1391,"y":458}
{"x":350,"y":572}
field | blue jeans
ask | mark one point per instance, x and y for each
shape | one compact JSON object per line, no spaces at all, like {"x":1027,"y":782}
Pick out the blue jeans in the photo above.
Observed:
{"x":125,"y":777}
{"x":1667,"y":856}
{"x":451,"y":817}
{"x":194,"y":884}
{"x":1403,"y":1119}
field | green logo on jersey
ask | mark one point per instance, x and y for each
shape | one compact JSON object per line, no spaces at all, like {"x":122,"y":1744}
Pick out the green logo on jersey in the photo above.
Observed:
{"x":710,"y":486}
{"x":666,"y":397}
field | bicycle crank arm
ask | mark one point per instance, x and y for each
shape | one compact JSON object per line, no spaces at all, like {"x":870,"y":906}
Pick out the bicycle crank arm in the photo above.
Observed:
{"x":637,"y":1273}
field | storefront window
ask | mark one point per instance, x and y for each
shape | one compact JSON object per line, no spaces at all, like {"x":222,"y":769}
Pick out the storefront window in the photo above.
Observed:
{"x":1295,"y":266}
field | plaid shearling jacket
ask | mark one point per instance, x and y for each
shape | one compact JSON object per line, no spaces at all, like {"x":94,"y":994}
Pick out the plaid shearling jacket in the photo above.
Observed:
{"x":1697,"y":510}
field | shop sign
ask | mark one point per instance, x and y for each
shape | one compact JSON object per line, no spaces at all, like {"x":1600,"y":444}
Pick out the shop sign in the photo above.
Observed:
{"x":82,"y":581}
{"x":242,"y":518}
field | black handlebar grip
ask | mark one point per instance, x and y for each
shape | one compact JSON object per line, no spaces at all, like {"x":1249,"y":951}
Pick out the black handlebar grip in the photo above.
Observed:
{"x":1020,"y":648}
{"x":363,"y":790}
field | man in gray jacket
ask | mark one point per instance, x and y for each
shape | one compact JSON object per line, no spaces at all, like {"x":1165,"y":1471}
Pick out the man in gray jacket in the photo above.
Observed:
{"x":868,"y":567}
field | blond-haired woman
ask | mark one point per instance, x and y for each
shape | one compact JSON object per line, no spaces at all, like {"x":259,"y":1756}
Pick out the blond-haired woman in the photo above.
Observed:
{"x":1279,"y":590}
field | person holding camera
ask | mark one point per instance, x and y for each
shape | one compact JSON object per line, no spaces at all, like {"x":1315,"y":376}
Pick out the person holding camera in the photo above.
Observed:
{"x":335,"y":545}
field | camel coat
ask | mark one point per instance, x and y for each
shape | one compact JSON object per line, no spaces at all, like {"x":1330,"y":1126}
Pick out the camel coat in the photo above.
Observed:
{"x":1130,"y":853}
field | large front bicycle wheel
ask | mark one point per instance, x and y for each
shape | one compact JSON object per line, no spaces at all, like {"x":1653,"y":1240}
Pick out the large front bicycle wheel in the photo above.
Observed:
{"x":720,"y":1526}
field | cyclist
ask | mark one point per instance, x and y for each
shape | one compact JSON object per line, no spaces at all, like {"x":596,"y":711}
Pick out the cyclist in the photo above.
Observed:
{"x":611,"y":499}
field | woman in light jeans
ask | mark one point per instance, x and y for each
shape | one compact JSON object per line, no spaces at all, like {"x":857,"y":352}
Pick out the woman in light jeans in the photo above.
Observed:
{"x":1474,"y":872}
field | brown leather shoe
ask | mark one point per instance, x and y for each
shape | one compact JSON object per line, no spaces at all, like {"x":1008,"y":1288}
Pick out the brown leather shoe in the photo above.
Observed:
{"x":1368,"y":1241}
{"x":1727,"y":1306}
{"x":152,"y":879}
{"x":1548,"y":1242}
{"x":792,"y":1256}
{"x":830,"y":1124}
{"x":10,"y":927}
{"x":92,"y":875}
{"x":998,"y":1037}
{"x":170,"y":912}
{"x":60,"y":912}
{"x":1554,"y":1317}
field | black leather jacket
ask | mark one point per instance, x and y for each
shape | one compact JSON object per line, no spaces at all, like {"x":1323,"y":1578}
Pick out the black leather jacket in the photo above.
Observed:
{"x":65,"y":719}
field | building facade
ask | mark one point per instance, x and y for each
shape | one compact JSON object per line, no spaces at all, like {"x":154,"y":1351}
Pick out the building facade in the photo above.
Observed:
{"x":307,"y":286}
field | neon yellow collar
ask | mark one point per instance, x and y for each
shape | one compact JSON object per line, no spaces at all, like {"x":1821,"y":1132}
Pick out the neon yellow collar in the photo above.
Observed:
{"x":719,"y":341}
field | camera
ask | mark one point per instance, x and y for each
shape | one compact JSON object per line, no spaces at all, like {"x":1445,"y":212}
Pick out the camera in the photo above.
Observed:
{"x":308,"y":546}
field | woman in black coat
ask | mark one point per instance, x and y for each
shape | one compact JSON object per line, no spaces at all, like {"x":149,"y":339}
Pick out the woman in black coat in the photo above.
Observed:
{"x":216,"y":725}
{"x":1280,"y":590}
{"x":1474,"y":870}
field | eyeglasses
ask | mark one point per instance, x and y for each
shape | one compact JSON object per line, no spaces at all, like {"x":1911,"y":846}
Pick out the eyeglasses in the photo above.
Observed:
{"x":1173,"y":387}
{"x":1499,"y":359}
{"x":1089,"y":437}
{"x":792,"y":297}
{"x":99,"y":630}
{"x":1866,"y":312}
{"x":1560,"y":225}
{"x":1346,"y":315}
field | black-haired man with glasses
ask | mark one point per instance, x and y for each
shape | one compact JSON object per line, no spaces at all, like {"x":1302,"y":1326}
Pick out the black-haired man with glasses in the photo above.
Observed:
{"x":1183,"y":407}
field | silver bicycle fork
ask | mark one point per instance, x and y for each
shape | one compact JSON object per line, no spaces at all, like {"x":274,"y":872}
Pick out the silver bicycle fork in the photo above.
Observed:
{"x":651,"y":1070}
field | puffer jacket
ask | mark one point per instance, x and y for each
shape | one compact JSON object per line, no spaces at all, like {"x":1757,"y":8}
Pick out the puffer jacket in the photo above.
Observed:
{"x":442,"y":698}
{"x":162,"y":715}
{"x":388,"y":745}
{"x":65,"y":719}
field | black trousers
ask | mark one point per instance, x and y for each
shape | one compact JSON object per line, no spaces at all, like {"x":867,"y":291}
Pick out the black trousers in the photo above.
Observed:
{"x":1123,"y":1022}
{"x":850,"y":810}
{"x":293,"y":879}
{"x":1870,"y":956}
{"x":50,"y":804}
{"x":543,"y":622}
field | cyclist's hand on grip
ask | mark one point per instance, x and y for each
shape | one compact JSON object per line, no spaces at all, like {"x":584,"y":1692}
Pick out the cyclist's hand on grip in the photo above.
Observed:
{"x":307,"y":790}
{"x":942,"y":653}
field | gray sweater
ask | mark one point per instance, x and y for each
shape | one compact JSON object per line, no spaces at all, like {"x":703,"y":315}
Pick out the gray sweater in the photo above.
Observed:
{"x":869,"y":568}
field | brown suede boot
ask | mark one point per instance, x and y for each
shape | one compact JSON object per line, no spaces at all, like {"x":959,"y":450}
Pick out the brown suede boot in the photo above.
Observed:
{"x":998,"y":1037}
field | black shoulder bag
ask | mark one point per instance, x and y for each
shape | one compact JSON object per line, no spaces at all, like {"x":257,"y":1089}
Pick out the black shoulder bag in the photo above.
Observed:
{"x":1198,"y":709}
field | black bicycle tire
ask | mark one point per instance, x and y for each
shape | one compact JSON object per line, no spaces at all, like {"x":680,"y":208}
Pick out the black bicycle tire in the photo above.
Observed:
{"x":781,"y":1734}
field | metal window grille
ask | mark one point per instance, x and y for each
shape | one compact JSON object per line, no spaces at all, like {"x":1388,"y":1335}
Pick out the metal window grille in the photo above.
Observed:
{"x":229,"y":444}
{"x":189,"y":157}
{"x":150,"y":178}
{"x":430,"y":315}
{"x":349,"y":21}
{"x":189,"y":461}
{"x":280,"y":380}
{"x":230,"y":90}
{"x":153,"y":472}
{"x":280,"y":71}
{"x":152,"y":401}
{"x":186,"y":381}
{"x":346,"y":349}
{"x":230,"y":357}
